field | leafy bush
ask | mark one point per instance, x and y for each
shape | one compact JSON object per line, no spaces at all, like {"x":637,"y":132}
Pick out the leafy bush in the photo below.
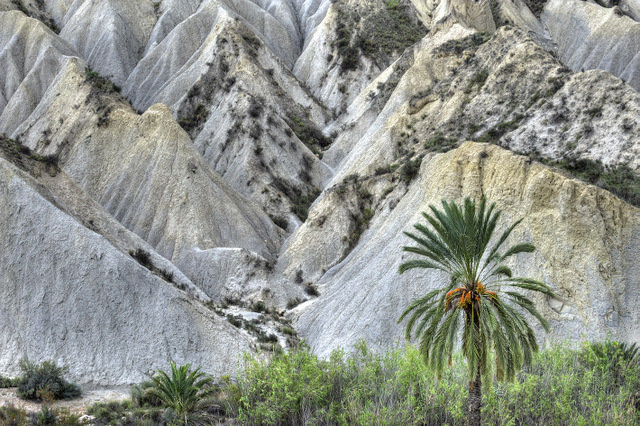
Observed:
{"x":45,"y":376}
{"x":142,"y":397}
{"x":587,"y":385}
{"x":6,"y":382}
{"x":11,"y":415}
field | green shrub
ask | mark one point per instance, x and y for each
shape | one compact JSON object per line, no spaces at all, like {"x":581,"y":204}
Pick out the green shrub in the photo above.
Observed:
{"x":410,"y":169}
{"x":6,"y":382}
{"x":186,"y":392}
{"x":142,"y":397}
{"x":593,"y":384}
{"x":10,"y":415}
{"x":39,"y":377}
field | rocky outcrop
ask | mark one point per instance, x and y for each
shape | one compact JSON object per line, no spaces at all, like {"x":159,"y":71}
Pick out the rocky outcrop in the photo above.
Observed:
{"x":353,"y":45}
{"x":456,"y":88}
{"x":587,"y":256}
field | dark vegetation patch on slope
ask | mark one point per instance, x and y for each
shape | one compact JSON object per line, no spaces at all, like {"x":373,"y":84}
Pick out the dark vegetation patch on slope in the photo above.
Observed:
{"x":38,"y":13}
{"x":377,"y":33}
{"x":619,"y":180}
{"x":22,"y":157}
{"x":536,"y":6}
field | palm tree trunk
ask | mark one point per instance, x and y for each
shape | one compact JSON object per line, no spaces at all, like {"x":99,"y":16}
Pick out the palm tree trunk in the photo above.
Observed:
{"x":475,"y":399}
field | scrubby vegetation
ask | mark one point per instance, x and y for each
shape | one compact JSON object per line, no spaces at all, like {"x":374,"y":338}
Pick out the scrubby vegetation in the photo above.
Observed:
{"x":595,"y":384}
{"x":457,"y":46}
{"x":536,"y":6}
{"x":24,"y":158}
{"x":7,"y":382}
{"x":46,"y":378}
{"x":376,"y":33}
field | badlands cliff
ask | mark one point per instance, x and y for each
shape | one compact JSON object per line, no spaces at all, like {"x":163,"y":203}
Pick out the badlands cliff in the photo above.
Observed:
{"x":183,"y":179}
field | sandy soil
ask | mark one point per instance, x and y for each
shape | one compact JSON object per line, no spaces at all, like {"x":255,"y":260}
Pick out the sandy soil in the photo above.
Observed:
{"x":76,"y":406}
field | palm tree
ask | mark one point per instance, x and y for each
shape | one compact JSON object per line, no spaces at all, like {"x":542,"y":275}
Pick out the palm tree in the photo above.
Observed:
{"x":482,"y":296}
{"x":184,"y":392}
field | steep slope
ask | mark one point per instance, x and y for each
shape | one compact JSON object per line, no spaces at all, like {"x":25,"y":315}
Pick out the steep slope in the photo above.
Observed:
{"x":78,"y":299}
{"x":116,"y":45}
{"x":31,"y":57}
{"x":254,"y":123}
{"x":596,"y":37}
{"x":145,"y":171}
{"x":597,"y":288}
{"x":354,"y":43}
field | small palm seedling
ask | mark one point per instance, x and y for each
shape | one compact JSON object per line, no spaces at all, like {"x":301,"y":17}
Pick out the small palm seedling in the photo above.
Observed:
{"x":185,"y":392}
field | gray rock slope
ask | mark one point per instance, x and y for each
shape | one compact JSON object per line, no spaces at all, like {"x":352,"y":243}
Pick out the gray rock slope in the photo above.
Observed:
{"x":159,"y":187}
{"x":79,"y":300}
{"x":590,"y":36}
{"x":130,"y":30}
{"x":587,"y":256}
{"x":31,"y":57}
{"x":175,"y":201}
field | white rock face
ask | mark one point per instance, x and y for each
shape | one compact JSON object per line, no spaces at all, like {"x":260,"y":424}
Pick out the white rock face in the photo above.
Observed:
{"x":474,"y":14}
{"x":31,"y":57}
{"x":597,"y":288}
{"x":79,"y":301}
{"x":115,"y":46}
{"x":591,"y":36}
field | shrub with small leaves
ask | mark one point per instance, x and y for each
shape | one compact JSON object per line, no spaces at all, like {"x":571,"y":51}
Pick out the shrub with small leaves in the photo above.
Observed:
{"x":38,"y":377}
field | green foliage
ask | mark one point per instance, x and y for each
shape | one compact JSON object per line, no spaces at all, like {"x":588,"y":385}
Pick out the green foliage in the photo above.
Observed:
{"x":142,"y":397}
{"x":6,"y":382}
{"x":126,"y":413}
{"x":410,"y":169}
{"x":479,"y":79}
{"x":10,"y":415}
{"x":185,"y":392}
{"x":302,"y":202}
{"x":561,"y":386}
{"x":308,"y":133}
{"x":45,"y":376}
{"x":99,"y":83}
{"x":440,"y":143}
{"x":458,"y":243}
{"x":195,"y":118}
{"x":496,"y":132}
{"x":482,"y":303}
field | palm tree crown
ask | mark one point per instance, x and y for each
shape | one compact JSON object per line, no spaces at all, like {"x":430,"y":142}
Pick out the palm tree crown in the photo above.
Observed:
{"x":482,"y":296}
{"x":185,"y":392}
